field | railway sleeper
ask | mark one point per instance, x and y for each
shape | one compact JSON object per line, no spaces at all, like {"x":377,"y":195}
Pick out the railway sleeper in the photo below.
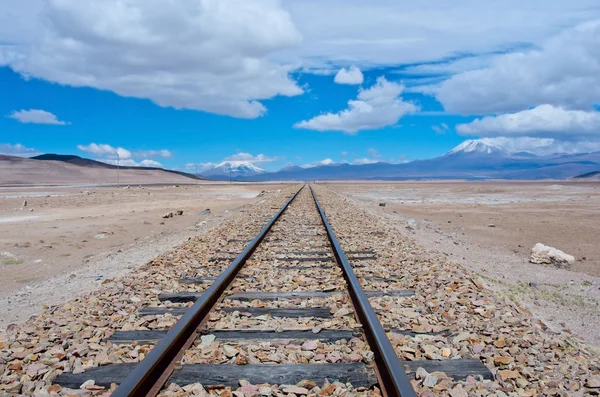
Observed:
{"x":152,"y":336}
{"x":357,"y":374}
{"x":316,"y":312}
{"x":181,"y":297}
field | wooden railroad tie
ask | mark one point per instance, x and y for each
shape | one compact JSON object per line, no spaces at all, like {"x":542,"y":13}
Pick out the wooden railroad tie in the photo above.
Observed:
{"x":182,"y":297}
{"x":358,"y":374}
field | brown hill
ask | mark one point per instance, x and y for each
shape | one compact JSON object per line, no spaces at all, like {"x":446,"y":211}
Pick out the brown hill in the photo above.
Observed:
{"x":23,"y":171}
{"x":590,"y":176}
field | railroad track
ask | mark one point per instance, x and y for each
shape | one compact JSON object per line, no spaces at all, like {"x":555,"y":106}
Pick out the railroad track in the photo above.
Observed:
{"x":285,"y":307}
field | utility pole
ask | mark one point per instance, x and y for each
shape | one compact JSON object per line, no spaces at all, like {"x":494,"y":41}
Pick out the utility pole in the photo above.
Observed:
{"x":118,"y":171}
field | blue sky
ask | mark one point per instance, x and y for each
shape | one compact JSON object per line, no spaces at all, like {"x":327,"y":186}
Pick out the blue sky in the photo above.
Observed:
{"x":200,"y":137}
{"x":181,"y":86}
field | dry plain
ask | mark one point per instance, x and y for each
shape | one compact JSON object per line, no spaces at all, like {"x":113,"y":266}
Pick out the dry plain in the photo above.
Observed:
{"x":490,"y":227}
{"x":66,"y":240}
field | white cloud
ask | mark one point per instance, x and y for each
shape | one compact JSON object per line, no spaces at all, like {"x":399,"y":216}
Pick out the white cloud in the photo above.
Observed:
{"x":105,"y":150}
{"x":440,"y":129}
{"x":131,"y":162}
{"x":352,"y":76}
{"x":344,"y":154}
{"x":150,"y":163}
{"x":389,"y":32}
{"x":374,"y":153}
{"x":201,"y":166}
{"x":260,"y":158}
{"x":317,"y":163}
{"x":543,"y":121}
{"x":564,"y":71}
{"x":386,"y":32}
{"x":211,"y":55}
{"x":542,"y":146}
{"x":363,"y":161}
{"x":36,"y":116}
{"x":376,"y":107}
{"x":164,"y":153}
{"x":17,"y":150}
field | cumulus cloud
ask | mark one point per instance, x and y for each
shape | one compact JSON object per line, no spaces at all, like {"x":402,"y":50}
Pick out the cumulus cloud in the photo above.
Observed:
{"x":260,"y":158}
{"x":543,"y":120}
{"x":399,"y":32}
{"x":441,"y":129}
{"x":132,"y":162}
{"x":564,"y":71}
{"x":362,"y":161}
{"x":36,"y":116}
{"x":103,"y":149}
{"x":376,"y":107}
{"x":374,"y":153}
{"x":317,"y":163}
{"x":211,"y":55}
{"x":541,"y":146}
{"x":17,"y":150}
{"x":352,"y":76}
{"x":126,"y":158}
{"x":164,"y":153}
{"x":200,"y":166}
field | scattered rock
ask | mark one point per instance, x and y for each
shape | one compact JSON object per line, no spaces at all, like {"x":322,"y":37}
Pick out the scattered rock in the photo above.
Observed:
{"x":458,"y":391}
{"x":593,"y":382}
{"x":430,"y":380}
{"x":382,"y":204}
{"x":296,"y":390}
{"x":168,"y":215}
{"x":542,"y":254}
{"x":421,"y":373}
{"x":207,"y":340}
{"x":310,"y":345}
{"x":307,"y":384}
{"x":230,"y":351}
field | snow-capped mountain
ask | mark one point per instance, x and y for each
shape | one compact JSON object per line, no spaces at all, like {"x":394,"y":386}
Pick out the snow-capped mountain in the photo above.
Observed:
{"x":233,"y":169}
{"x":475,"y":146}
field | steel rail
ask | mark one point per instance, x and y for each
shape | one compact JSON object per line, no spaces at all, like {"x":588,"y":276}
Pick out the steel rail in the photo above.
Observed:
{"x":150,"y":375}
{"x":392,"y":378}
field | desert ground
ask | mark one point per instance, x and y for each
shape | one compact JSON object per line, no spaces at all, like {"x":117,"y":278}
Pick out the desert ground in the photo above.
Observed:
{"x":490,"y":227}
{"x":65,"y":241}
{"x":59,"y":242}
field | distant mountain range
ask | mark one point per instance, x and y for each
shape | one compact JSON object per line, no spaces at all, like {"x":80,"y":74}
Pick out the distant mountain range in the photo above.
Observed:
{"x":472,"y":159}
{"x":83,"y":162}
{"x":590,"y":176}
{"x":233,"y":169}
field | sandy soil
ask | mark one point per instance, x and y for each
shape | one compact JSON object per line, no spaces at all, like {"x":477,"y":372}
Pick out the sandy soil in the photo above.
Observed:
{"x":76,"y":238}
{"x":456,"y":218}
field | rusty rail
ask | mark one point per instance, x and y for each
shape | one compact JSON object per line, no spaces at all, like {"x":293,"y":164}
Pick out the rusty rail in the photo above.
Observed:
{"x":150,"y":375}
{"x":390,"y":372}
